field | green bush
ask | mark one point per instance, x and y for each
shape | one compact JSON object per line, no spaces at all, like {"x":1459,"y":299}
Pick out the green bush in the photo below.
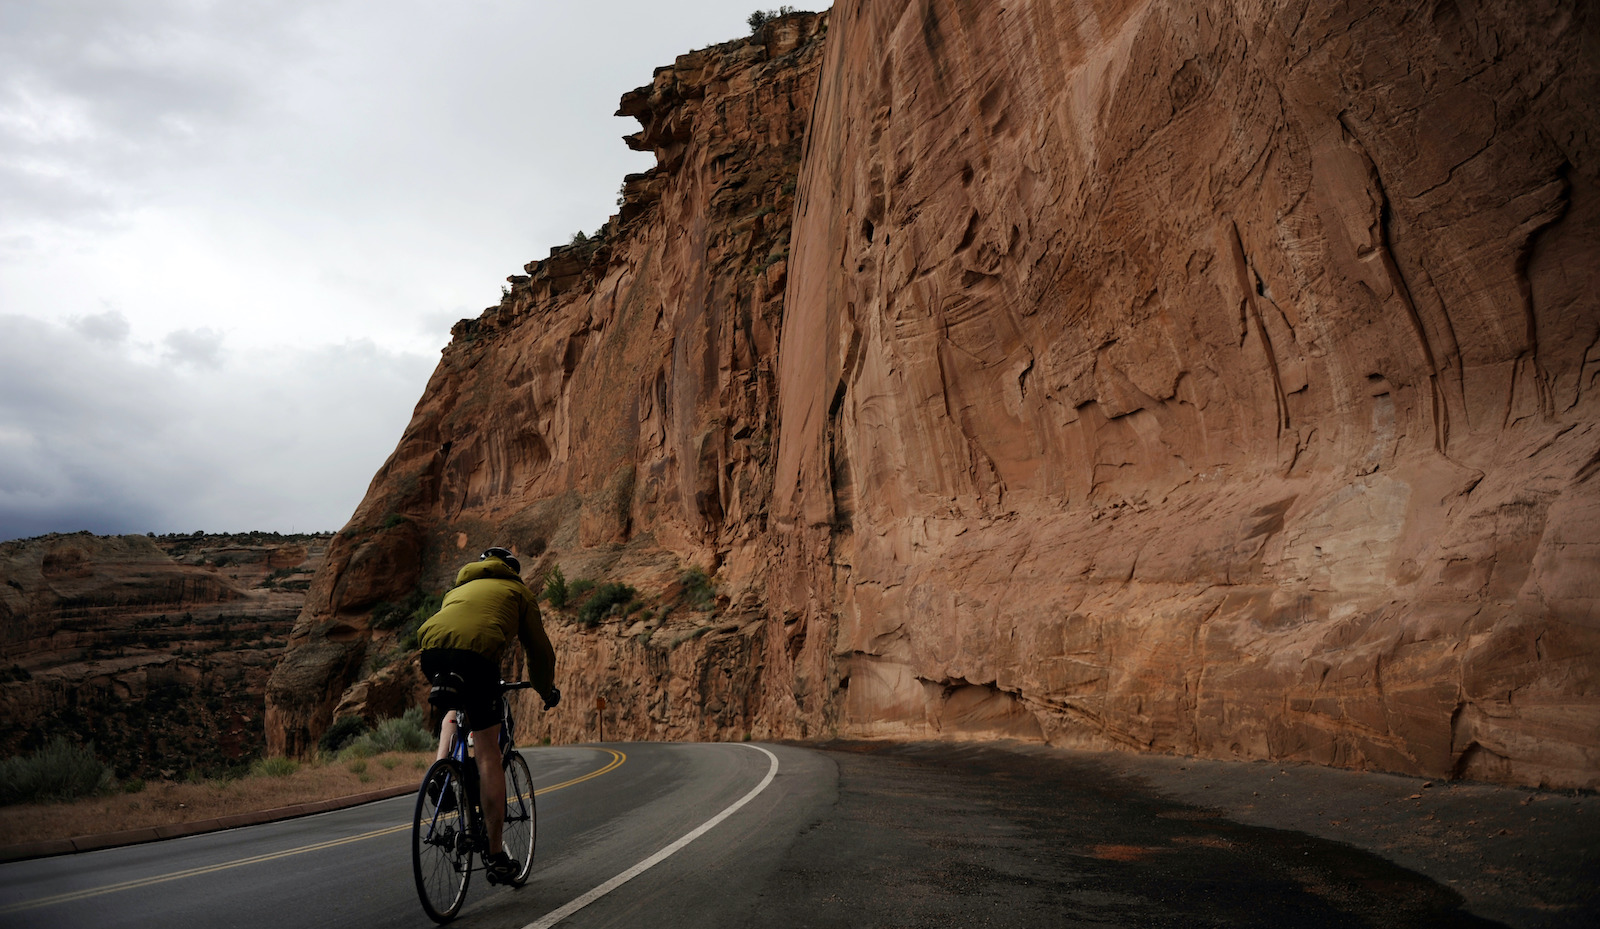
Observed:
{"x":407,"y":616}
{"x":58,"y":771}
{"x":698,"y":591}
{"x":360,"y":748}
{"x":276,"y":766}
{"x":340,"y":734}
{"x":402,"y":735}
{"x":408,"y":733}
{"x":761,"y":17}
{"x":555,"y":587}
{"x":579,"y":590}
{"x":417,"y":608}
{"x":756,"y":20}
{"x":604,"y":598}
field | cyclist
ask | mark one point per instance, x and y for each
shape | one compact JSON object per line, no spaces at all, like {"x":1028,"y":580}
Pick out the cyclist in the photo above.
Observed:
{"x":488,"y":605}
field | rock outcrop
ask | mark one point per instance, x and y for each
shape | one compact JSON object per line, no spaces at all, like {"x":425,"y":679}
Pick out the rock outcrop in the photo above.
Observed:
{"x":615,"y":414}
{"x":1186,"y":376}
{"x":157,"y":649}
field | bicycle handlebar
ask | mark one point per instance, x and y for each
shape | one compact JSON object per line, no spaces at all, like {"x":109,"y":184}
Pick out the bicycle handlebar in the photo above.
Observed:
{"x":551,"y":698}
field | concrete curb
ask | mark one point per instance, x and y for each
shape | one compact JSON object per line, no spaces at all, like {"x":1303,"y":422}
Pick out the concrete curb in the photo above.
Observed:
{"x":88,"y":843}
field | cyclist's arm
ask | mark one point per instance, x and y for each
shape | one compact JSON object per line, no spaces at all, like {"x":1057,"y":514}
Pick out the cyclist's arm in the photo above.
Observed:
{"x":541,"y":656}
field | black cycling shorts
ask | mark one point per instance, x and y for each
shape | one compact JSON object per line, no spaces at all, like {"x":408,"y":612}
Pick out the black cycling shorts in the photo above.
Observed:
{"x":481,"y":698}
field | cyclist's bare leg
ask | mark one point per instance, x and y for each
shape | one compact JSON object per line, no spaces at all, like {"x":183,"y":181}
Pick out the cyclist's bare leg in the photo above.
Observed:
{"x":447,"y":734}
{"x":491,"y":783}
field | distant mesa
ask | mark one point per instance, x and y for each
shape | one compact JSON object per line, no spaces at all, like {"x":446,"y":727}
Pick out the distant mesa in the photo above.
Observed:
{"x":155,"y":648}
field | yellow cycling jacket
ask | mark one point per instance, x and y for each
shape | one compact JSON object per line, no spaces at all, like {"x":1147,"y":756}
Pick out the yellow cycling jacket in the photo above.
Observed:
{"x":487,"y":607}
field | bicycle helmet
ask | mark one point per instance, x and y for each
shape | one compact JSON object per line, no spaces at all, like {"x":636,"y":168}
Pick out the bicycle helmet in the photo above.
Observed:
{"x":505,"y":556}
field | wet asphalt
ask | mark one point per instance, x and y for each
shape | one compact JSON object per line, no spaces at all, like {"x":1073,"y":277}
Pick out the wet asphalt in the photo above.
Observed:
{"x":891,"y":836}
{"x":1008,"y":835}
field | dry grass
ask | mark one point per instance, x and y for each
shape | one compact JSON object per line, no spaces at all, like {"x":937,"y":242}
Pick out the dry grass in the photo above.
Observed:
{"x":165,"y":802}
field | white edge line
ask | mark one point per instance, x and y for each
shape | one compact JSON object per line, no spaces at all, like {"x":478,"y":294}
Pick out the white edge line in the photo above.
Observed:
{"x":556,"y":916}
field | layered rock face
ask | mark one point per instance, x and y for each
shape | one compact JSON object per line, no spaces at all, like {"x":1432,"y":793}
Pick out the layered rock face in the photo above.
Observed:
{"x":1211,"y":378}
{"x":1199,"y":377}
{"x":615,"y":415}
{"x":157,"y":649}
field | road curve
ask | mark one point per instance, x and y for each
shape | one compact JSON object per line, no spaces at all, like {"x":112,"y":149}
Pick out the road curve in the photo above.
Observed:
{"x":603,"y":810}
{"x":920,"y":835}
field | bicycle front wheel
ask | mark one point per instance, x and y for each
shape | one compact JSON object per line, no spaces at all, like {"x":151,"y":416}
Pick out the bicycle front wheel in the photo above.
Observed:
{"x":441,"y":848}
{"x":522,"y":822}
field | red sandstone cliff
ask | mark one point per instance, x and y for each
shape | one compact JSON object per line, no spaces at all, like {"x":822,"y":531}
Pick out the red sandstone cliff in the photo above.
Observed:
{"x":616,"y":414}
{"x":1205,"y":377}
{"x":1182,"y":376}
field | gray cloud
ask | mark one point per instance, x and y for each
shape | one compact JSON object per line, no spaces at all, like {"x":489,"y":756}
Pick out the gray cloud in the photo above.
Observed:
{"x":201,"y":348}
{"x":92,"y":437}
{"x":109,"y":328}
{"x":187,"y":187}
{"x":97,"y":95}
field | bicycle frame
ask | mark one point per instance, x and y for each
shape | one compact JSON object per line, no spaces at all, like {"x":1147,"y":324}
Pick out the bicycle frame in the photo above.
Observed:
{"x":445,"y":840}
{"x":459,"y":752}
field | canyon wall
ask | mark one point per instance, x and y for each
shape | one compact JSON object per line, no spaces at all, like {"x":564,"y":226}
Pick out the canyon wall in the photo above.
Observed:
{"x":1187,"y":376}
{"x":155,"y":648}
{"x":1210,"y":378}
{"x":615,"y":415}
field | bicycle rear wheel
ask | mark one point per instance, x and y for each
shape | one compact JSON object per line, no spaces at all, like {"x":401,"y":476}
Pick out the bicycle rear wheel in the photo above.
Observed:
{"x":441,"y":851}
{"x":522,"y":822}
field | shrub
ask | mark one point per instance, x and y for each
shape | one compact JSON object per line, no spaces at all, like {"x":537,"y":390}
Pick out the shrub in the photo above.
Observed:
{"x":276,"y":766}
{"x":698,"y":591}
{"x":407,"y":615}
{"x":689,"y":636}
{"x":408,"y":733}
{"x":402,"y":735}
{"x":579,"y":590}
{"x":340,"y":734}
{"x":358,"y":766}
{"x":360,"y":748}
{"x":58,"y":771}
{"x":388,"y":615}
{"x":761,"y":17}
{"x":555,"y":587}
{"x":604,"y":598}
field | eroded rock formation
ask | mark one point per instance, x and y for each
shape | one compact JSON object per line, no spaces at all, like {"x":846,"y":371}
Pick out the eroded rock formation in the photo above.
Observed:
{"x":1220,"y":380}
{"x":615,"y":414}
{"x":157,"y":649}
{"x":1177,"y":375}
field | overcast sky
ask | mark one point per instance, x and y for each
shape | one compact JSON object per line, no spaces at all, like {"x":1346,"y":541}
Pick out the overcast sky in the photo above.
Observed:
{"x":234,"y":234}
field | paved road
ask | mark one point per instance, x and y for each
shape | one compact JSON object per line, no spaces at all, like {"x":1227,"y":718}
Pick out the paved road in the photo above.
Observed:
{"x":841,"y":836}
{"x":352,"y":867}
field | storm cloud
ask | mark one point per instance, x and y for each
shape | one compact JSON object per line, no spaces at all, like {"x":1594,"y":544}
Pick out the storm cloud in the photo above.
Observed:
{"x":234,"y":236}
{"x":117,"y":438}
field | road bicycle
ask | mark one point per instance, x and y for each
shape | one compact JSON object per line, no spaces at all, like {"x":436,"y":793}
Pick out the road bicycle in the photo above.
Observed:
{"x":448,"y":829}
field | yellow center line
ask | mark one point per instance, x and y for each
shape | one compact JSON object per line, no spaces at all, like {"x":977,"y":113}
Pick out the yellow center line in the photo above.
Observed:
{"x":617,"y":758}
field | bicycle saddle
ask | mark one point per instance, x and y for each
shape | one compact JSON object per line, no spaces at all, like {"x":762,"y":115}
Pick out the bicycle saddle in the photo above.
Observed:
{"x":447,"y":692}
